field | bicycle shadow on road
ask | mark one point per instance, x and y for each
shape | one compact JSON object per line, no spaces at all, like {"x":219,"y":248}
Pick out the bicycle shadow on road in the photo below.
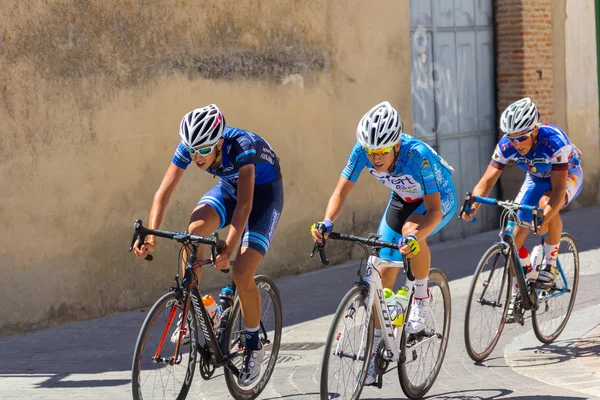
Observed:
{"x":487,"y":394}
{"x":559,"y":351}
{"x":495,"y":394}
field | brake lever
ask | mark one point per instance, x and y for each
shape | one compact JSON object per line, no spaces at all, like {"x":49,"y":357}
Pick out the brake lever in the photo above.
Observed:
{"x":406,"y":262}
{"x":216,"y":249}
{"x":137,"y":234}
{"x":466,"y":207}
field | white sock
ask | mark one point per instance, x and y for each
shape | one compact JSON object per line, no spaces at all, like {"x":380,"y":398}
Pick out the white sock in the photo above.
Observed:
{"x":515,"y":288}
{"x":551,"y":252}
{"x":421,"y":288}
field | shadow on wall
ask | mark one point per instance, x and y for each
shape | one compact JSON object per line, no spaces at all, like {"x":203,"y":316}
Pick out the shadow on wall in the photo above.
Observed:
{"x":130,"y":45}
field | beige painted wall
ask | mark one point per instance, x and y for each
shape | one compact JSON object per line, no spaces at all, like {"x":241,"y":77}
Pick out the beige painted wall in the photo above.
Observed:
{"x":582,"y":91}
{"x":576,"y":87}
{"x":91,"y":96}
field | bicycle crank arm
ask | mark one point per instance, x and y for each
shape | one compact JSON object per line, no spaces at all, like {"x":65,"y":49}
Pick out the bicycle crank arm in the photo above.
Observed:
{"x":345,"y":355}
{"x":234,"y":370}
{"x":167,"y":360}
{"x":490,"y":303}
{"x":428,"y":337}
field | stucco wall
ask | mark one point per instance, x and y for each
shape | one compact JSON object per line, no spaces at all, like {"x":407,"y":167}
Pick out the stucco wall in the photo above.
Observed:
{"x":582,"y":92}
{"x":91,"y":96}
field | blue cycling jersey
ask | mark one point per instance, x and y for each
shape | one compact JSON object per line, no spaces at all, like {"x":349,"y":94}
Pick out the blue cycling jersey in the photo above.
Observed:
{"x":419,"y":170}
{"x":553,"y":152}
{"x":240,"y":148}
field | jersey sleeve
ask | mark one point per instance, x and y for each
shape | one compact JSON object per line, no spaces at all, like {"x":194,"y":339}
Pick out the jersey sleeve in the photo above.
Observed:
{"x":356,"y":162}
{"x":243,"y":151}
{"x":429,"y":178}
{"x":502,"y":154}
{"x":560,"y":158}
{"x":182,"y":157}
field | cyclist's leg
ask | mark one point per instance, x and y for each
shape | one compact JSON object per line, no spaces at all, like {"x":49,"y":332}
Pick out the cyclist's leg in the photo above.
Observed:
{"x":267,"y":205}
{"x":262,"y":221}
{"x":555,"y":225}
{"x":213,"y":211}
{"x":530,"y":194}
{"x":421,"y":263}
{"x":390,"y":228}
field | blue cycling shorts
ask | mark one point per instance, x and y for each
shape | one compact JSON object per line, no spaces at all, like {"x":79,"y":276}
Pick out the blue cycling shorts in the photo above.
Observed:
{"x":398,"y":211}
{"x":533,"y":189}
{"x":267,"y":205}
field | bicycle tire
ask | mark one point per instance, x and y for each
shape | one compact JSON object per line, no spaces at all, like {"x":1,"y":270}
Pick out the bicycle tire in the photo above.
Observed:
{"x":536,"y":315}
{"x":411,"y":389}
{"x":496,"y":251}
{"x":235,"y":325}
{"x":169,"y":300}
{"x":345,"y":310}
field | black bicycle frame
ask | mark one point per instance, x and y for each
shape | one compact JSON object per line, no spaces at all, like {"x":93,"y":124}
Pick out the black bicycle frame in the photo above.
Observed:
{"x":518,"y":271}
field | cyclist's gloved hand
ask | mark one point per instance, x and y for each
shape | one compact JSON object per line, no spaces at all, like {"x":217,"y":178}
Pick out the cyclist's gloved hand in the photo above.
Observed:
{"x":409,"y":245}
{"x":319,"y":228}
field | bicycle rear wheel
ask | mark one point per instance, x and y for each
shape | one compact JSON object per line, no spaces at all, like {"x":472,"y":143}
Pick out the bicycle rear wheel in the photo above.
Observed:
{"x":270,"y":336}
{"x":348,"y":349}
{"x":425,"y":350}
{"x":164,"y":377}
{"x":487,"y":304}
{"x":556,"y":305}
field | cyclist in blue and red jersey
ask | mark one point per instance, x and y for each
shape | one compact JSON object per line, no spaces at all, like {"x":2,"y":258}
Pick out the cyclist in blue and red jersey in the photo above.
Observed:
{"x":554,"y":176}
{"x":248,"y":198}
{"x":422,"y":201}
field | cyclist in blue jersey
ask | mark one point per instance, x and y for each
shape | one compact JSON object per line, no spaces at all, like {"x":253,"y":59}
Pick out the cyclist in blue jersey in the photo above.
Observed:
{"x":422,"y":201}
{"x":248,"y":198}
{"x":554,"y":177}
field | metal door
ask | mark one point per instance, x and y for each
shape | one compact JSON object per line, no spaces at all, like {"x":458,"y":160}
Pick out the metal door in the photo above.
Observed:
{"x":453,"y":92}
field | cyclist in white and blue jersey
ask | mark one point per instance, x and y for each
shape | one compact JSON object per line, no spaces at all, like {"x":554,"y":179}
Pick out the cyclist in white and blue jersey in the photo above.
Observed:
{"x":554,"y":175}
{"x":248,"y":198}
{"x":422,"y":201}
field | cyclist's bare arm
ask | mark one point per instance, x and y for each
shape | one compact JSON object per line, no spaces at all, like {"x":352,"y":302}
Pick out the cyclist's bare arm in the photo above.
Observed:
{"x":483,"y":188}
{"x":239,"y":219}
{"x":159,"y":205}
{"x":336,"y":202}
{"x":432,"y":217}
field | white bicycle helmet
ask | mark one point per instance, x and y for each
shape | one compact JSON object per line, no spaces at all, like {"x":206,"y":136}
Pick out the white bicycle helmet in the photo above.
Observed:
{"x":202,"y":126}
{"x":520,"y":116}
{"x":380,"y":127}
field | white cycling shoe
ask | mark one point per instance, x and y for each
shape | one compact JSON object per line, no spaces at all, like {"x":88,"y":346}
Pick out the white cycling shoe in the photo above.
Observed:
{"x":419,"y":314}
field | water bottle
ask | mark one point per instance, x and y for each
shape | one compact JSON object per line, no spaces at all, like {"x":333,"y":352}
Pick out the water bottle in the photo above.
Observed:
{"x":524,"y":259}
{"x":211,"y":308}
{"x":395,"y":310}
{"x":225,"y":299}
{"x":536,"y":261}
{"x":403,"y":297}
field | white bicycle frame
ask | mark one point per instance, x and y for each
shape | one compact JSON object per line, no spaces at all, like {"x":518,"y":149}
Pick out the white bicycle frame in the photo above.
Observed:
{"x":391,"y":334}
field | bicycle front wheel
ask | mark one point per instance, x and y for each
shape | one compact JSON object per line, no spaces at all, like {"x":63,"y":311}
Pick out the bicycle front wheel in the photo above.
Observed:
{"x":425,"y":350}
{"x":556,"y":305}
{"x":269,"y":333}
{"x":157,"y":372}
{"x":487,"y":304}
{"x":348,"y":349}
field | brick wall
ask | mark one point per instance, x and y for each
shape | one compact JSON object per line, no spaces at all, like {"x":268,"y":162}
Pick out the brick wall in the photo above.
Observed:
{"x":524,"y":53}
{"x":523,"y":65}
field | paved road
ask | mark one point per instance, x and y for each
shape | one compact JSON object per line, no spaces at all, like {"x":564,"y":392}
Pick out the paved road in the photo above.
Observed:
{"x":92,"y":359}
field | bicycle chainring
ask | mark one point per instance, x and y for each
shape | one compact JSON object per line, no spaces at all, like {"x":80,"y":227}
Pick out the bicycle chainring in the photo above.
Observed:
{"x":206,"y":368}
{"x":381,"y":364}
